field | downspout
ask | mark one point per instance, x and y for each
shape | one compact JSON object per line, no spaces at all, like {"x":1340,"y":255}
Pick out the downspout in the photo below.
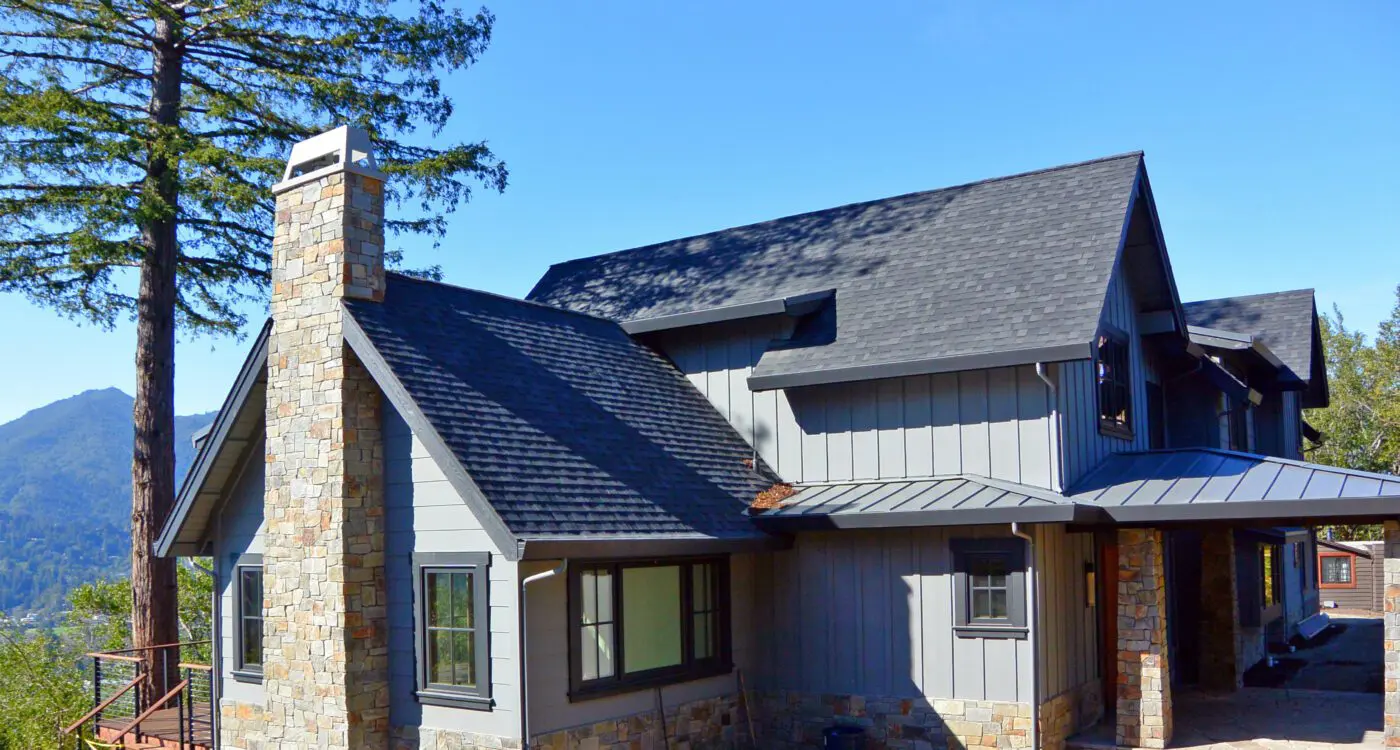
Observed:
{"x":1032,"y":631}
{"x":1044,"y":377}
{"x":525,"y":648}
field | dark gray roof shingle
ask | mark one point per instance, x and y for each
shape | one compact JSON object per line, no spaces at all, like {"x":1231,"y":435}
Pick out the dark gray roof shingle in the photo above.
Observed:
{"x":567,"y":425}
{"x":1282,"y":320}
{"x":1015,"y":263}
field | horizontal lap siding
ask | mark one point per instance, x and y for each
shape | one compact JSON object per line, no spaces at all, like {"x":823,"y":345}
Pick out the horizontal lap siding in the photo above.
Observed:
{"x":996,"y":423}
{"x":240,"y":532}
{"x":871,"y":613}
{"x":1068,"y":626}
{"x":425,"y":514}
{"x":1084,"y":446}
{"x":548,"y":633}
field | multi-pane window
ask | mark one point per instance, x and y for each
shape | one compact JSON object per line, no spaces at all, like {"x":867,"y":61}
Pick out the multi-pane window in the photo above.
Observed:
{"x":248,"y":617}
{"x":1336,"y":570}
{"x":647,"y":623}
{"x":450,"y":623}
{"x":989,"y":588}
{"x":451,"y":627}
{"x":988,"y":576}
{"x":1114,"y":383}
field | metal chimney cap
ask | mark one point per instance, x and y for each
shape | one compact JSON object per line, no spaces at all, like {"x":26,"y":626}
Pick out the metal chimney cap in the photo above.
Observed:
{"x":345,"y":148}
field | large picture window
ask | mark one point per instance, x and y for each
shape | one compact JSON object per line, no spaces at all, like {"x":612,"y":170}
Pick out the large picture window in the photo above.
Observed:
{"x":452,"y":650}
{"x":989,"y":588}
{"x":637,"y":624}
{"x":248,"y":618}
{"x":1114,"y":384}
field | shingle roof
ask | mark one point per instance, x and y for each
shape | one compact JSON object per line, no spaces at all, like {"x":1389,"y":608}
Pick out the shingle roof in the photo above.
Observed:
{"x":1015,"y":263}
{"x":567,"y":426}
{"x":1282,"y":320}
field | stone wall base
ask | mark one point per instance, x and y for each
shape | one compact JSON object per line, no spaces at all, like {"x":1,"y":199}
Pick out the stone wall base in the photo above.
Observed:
{"x":1068,"y":713}
{"x":242,"y":725}
{"x":697,"y":725}
{"x":424,"y":738}
{"x":794,"y":720}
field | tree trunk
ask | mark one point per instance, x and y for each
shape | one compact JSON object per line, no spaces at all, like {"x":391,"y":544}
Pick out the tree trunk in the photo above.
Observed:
{"x":154,"y":598}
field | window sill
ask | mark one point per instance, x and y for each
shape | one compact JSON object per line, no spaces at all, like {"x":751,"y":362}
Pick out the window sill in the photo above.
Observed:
{"x":1108,"y":429}
{"x":247,"y":676}
{"x":454,"y":700}
{"x":991,"y":631}
{"x":590,"y":692}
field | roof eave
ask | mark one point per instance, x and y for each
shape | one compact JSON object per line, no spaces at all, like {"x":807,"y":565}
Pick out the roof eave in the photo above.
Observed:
{"x":1039,"y":513}
{"x":1009,"y":358}
{"x":795,"y":305}
{"x":555,"y":548}
{"x":253,"y":368}
{"x":1274,"y":511}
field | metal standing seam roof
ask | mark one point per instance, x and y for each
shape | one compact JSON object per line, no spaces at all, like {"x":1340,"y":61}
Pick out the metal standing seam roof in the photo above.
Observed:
{"x":1178,"y":485}
{"x":1015,"y":266}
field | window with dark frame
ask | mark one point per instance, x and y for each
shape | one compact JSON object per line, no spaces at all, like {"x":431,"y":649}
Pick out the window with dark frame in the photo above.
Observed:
{"x":452,"y":646}
{"x":1114,"y":376}
{"x":1337,"y":571}
{"x":248,"y":618}
{"x":643,"y":623}
{"x":989,"y":588}
{"x":1271,"y":578}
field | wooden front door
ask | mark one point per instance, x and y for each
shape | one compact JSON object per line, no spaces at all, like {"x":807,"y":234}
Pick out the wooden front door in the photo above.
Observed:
{"x":1108,"y":619}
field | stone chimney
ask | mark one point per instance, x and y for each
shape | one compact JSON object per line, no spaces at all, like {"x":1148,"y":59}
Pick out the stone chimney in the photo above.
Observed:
{"x":325,"y":644}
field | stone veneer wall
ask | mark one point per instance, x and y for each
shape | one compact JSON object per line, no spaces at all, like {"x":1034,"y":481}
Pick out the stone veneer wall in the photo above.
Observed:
{"x":325,"y":648}
{"x":1222,"y":650}
{"x":1069,"y":712}
{"x":710,"y":723}
{"x":1144,"y":682}
{"x":1392,"y":633}
{"x":789,"y":719}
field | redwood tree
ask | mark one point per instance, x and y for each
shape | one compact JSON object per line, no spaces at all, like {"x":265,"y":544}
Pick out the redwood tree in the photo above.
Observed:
{"x":139,"y":141}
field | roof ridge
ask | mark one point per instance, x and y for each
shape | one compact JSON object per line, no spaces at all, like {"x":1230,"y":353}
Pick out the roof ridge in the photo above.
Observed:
{"x":502,"y":297}
{"x":1281,"y":292}
{"x":985,"y":181}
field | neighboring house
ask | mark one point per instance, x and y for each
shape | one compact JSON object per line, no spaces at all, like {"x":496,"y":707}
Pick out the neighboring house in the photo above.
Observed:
{"x":1007,"y":484}
{"x":1352,"y":574}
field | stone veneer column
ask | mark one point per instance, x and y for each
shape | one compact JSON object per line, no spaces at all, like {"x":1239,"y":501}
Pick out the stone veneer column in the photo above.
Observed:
{"x":1144,"y":678}
{"x":1392,"y":633}
{"x":1220,"y":613}
{"x":324,"y":637}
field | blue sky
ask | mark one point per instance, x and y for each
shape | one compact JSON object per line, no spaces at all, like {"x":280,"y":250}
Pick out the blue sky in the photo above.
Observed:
{"x":1270,"y":130}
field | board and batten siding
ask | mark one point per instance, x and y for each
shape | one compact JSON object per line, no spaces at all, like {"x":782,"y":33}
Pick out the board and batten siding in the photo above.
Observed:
{"x":239,"y":531}
{"x":548,"y":635}
{"x":871,"y":613}
{"x":998,"y":423}
{"x":1069,"y":654}
{"x":423,"y":513}
{"x":1084,"y":447}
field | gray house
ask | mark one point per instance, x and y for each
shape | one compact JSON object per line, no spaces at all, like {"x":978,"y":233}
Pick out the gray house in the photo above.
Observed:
{"x":955,"y":467}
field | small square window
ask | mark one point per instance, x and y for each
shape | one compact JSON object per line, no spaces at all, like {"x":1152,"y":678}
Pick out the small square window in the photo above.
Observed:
{"x":450,"y":621}
{"x":1337,"y":571}
{"x":248,"y":618}
{"x":990,"y":592}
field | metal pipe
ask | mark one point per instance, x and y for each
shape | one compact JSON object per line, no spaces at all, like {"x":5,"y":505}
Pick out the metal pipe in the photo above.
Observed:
{"x":1031,"y":632}
{"x":1041,"y":373}
{"x":525,"y":648}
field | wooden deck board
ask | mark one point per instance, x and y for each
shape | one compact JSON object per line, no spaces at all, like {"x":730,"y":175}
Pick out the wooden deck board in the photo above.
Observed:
{"x":164,"y":725}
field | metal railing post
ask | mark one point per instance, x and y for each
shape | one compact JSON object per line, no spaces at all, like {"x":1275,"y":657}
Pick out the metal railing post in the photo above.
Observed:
{"x":189,"y":716}
{"x":97,"y":686}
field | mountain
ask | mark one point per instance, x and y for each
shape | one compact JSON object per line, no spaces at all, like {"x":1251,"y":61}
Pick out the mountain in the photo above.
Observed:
{"x":65,"y":496}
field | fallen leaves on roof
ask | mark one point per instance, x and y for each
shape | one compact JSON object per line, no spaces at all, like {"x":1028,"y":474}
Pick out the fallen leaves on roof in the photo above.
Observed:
{"x":773,"y":497}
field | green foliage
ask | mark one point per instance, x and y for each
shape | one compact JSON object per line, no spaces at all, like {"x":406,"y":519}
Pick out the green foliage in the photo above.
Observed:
{"x":120,"y":116}
{"x":1361,"y":425}
{"x":65,"y":496}
{"x":41,"y":689}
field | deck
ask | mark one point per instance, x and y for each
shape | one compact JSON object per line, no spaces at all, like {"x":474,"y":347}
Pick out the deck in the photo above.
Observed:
{"x":162,"y":729}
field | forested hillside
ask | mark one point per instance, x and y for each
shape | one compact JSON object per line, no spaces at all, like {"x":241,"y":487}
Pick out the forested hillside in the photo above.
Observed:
{"x":65,"y":496}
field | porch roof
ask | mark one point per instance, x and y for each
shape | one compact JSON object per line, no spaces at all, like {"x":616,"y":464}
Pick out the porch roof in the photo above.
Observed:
{"x":1162,"y":486}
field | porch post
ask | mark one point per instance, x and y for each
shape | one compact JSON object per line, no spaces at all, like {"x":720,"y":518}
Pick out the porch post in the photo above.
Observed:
{"x":1220,"y":613}
{"x":1144,"y":679}
{"x":1392,"y":633}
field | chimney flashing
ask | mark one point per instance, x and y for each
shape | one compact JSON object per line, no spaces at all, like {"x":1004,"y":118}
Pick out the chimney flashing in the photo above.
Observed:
{"x":344,"y":149}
